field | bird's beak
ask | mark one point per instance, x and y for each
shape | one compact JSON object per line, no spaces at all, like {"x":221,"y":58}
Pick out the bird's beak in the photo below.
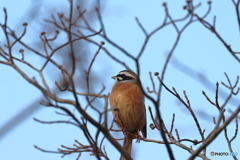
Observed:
{"x":114,"y":77}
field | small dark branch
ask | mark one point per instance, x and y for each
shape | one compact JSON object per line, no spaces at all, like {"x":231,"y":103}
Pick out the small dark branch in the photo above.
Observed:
{"x":208,"y":99}
{"x":208,"y":11}
{"x":141,"y":26}
{"x":178,"y":137}
{"x":220,"y":117}
{"x":155,"y":141}
{"x":164,"y":127}
{"x":54,"y":122}
{"x":61,"y":18}
{"x":238,"y":15}
{"x":104,"y":150}
{"x":165,"y":86}
{"x":235,"y":86}
{"x":54,"y":37}
{"x":226,"y":86}
{"x":171,"y":20}
{"x":228,"y":79}
{"x":214,"y":21}
{"x":153,"y":85}
{"x":195,"y":142}
{"x":190,"y":6}
{"x":23,"y":33}
{"x":2,"y":53}
{"x":226,"y":135}
{"x":5,"y":27}
{"x":79,"y":155}
{"x":154,"y":122}
{"x":102,"y":146}
{"x":179,"y":98}
{"x":43,"y":150}
{"x":203,"y":132}
{"x":236,"y":5}
{"x":172,"y":125}
{"x":214,"y":121}
{"x":105,"y":111}
{"x":100,"y":18}
{"x":62,"y":114}
{"x":151,"y":91}
{"x":227,"y":100}
{"x":231,"y":88}
{"x":186,"y":97}
{"x":44,"y":81}
{"x":176,"y":93}
{"x":216,"y":97}
{"x":46,"y":43}
{"x":236,"y":131}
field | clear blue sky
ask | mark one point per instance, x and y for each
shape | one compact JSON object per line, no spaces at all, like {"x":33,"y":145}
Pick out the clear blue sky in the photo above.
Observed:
{"x":199,"y":49}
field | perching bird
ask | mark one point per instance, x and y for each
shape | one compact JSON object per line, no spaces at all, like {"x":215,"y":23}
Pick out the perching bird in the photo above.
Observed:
{"x":127,"y":105}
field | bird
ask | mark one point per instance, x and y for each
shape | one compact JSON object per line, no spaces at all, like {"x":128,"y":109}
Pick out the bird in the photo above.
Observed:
{"x":128,"y":108}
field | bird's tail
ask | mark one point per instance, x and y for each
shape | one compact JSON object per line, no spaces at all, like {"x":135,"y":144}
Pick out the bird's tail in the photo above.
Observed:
{"x":127,"y":145}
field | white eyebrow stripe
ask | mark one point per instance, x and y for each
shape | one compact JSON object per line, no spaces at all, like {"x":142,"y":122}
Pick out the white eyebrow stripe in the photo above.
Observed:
{"x":127,"y":74}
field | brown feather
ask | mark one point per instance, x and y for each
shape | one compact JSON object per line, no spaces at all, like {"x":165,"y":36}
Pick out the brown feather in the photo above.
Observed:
{"x":127,"y":104}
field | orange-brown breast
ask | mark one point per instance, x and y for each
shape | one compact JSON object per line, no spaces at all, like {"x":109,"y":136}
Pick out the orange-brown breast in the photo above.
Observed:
{"x":127,"y":104}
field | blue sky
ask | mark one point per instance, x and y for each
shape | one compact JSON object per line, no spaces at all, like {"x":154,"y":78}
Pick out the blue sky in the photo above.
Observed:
{"x":198,"y":49}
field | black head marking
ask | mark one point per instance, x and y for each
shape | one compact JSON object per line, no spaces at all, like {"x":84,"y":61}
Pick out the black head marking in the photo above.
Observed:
{"x":124,"y":77}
